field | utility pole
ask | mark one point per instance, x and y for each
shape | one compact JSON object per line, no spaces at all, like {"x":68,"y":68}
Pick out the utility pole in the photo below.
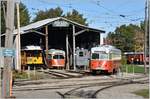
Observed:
{"x":149,"y":30}
{"x":0,"y":53}
{"x":8,"y":62}
{"x":18,"y":45}
{"x":145,"y":36}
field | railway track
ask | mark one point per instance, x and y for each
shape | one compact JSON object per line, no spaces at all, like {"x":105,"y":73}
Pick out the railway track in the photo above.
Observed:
{"x":62,"y":85}
{"x":62,"y":75}
{"x":66,"y":85}
{"x":52,"y":74}
{"x":80,"y":93}
{"x":65,"y":75}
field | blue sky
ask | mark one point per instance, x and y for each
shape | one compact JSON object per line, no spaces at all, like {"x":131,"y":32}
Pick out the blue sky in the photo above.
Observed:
{"x":101,"y":14}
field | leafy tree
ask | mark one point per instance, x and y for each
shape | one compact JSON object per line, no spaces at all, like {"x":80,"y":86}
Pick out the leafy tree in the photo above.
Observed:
{"x":142,"y":26}
{"x":76,"y":16}
{"x":127,"y":38}
{"x":3,"y":9}
{"x":50,"y":13}
{"x":24,"y":16}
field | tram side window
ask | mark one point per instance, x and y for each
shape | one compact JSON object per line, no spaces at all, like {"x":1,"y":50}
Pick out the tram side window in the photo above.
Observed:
{"x":115,"y":56}
{"x":95,"y":56}
{"x":29,"y":54}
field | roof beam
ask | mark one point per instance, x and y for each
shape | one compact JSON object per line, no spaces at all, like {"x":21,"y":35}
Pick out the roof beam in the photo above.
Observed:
{"x":38,"y":32}
{"x":80,"y":32}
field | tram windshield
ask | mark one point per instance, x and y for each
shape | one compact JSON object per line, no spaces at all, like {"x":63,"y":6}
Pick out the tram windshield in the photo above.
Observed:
{"x":99,"y":56}
{"x":103,"y":56}
{"x":95,"y":56}
{"x":58,"y":57}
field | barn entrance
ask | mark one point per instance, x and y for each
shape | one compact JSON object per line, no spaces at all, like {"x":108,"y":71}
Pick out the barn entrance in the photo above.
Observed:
{"x":60,"y":33}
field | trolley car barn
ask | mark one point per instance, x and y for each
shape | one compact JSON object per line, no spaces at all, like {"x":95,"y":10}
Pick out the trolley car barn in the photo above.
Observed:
{"x":59,"y":33}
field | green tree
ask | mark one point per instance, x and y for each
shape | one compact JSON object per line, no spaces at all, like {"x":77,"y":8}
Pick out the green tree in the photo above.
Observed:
{"x":3,"y":9}
{"x":76,"y":16}
{"x":142,"y":26}
{"x":24,"y":16}
{"x":127,"y":38}
{"x":50,"y":13}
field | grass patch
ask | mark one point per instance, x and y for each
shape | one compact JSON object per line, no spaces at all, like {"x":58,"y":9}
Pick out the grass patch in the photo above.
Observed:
{"x":129,"y":68}
{"x":144,"y":93}
{"x":25,"y":75}
{"x":19,"y":75}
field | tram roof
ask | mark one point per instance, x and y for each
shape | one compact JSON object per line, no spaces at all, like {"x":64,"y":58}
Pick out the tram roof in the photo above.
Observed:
{"x":53,"y":51}
{"x":32,"y":47}
{"x":42,"y":23}
{"x":126,"y":53}
{"x":107,"y":48}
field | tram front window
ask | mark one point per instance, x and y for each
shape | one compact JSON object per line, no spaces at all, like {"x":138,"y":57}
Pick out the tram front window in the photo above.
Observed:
{"x":103,"y":56}
{"x":58,"y":57}
{"x":95,"y":56}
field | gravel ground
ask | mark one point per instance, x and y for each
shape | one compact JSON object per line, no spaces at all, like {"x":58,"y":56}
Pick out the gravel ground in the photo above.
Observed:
{"x":120,"y":92}
{"x":37,"y":94}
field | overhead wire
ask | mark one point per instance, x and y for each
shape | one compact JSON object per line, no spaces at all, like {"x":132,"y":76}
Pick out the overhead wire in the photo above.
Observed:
{"x":111,"y":11}
{"x":109,"y":14}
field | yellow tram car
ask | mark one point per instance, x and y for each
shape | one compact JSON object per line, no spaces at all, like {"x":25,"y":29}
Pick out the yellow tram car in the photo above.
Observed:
{"x":31,"y":56}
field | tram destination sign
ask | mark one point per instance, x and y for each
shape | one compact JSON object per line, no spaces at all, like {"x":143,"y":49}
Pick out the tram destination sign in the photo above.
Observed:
{"x":8,"y":52}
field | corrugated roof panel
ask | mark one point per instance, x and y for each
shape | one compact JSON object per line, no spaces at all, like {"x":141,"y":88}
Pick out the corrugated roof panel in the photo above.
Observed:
{"x":36,"y":25}
{"x":41,"y":23}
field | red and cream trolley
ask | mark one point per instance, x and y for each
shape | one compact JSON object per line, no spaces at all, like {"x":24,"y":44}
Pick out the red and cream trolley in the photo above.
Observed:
{"x":105,"y":58}
{"x":56,"y":58}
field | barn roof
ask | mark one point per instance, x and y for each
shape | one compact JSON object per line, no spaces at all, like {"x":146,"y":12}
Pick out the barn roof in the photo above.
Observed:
{"x":40,"y":24}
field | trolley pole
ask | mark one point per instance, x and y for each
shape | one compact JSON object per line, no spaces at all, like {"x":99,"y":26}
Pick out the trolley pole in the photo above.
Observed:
{"x":7,"y":73}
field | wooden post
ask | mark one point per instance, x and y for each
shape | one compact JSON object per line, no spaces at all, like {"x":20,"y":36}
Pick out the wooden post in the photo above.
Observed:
{"x":67,"y":53}
{"x":34,"y":70}
{"x":100,"y":43}
{"x":74,"y":46}
{"x":18,"y":45}
{"x":46,"y":41}
{"x":149,"y":31}
{"x":28,"y":72}
{"x":126,"y":69}
{"x":7,"y":84}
